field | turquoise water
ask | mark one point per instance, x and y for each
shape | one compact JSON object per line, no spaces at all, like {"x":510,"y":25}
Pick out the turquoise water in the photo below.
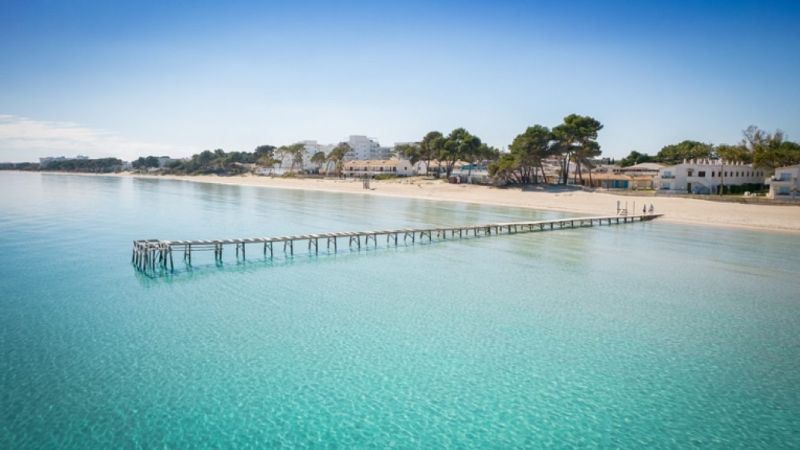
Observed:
{"x":646,"y":335}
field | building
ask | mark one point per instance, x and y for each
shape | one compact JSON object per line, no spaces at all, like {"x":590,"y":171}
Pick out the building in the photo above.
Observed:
{"x":642,"y":169}
{"x":364,"y":148}
{"x":373,"y":167}
{"x":618,"y":181}
{"x":785,"y":184}
{"x":471,"y":173}
{"x":706,"y":176}
{"x":311,"y":149}
{"x":606,"y":168}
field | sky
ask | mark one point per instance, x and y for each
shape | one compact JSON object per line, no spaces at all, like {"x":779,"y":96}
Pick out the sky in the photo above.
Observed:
{"x":128,"y":79}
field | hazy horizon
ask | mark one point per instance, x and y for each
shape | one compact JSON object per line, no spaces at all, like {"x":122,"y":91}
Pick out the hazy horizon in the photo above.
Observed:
{"x":129,"y":80}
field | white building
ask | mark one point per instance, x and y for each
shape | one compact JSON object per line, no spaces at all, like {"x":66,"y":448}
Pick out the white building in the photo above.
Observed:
{"x":642,"y":169}
{"x":705,"y":176}
{"x":310,"y":148}
{"x":471,"y":173}
{"x":364,"y":148}
{"x":373,"y":167}
{"x":785,"y":184}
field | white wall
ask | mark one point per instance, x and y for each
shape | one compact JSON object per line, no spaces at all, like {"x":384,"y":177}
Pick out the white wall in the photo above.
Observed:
{"x":705,"y":176}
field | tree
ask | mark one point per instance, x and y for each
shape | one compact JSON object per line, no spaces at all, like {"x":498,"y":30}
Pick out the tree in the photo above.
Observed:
{"x":411,"y":152}
{"x":635,"y":157}
{"x":266,"y":159}
{"x":676,"y":153}
{"x":431,"y":147}
{"x":576,"y":141}
{"x":145,"y":162}
{"x":459,"y":144}
{"x":318,"y":158}
{"x":526,"y":155}
{"x":505,"y":169}
{"x":770,"y":151}
{"x":484,"y":152}
{"x":295,"y":154}
{"x":264,"y":150}
{"x":733,"y":153}
{"x":336,"y":156}
{"x":584,"y":157}
{"x":298,"y":151}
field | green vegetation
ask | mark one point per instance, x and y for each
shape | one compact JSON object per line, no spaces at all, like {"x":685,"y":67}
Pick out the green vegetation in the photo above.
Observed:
{"x":319,"y":158}
{"x":27,"y":166}
{"x":571,"y":144}
{"x":636,"y":158}
{"x":764,"y":150}
{"x":459,"y":145}
{"x":145,"y":163}
{"x":429,"y":149}
{"x":523,"y":163}
{"x":336,"y":156}
{"x":575,"y":140}
{"x":98,"y":165}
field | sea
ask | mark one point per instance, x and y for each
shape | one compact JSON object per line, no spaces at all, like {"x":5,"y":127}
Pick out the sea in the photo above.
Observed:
{"x":646,"y":335}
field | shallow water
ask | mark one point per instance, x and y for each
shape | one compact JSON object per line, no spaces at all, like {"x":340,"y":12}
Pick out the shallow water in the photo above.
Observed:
{"x":644,"y":335}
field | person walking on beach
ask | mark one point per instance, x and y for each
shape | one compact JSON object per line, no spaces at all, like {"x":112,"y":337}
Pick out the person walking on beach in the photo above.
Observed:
{"x":651,"y":208}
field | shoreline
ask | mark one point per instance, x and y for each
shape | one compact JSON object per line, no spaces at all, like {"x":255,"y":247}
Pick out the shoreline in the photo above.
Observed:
{"x":686,"y":211}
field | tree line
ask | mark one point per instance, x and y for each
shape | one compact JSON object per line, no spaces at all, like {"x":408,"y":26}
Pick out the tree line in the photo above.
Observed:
{"x":573,"y":142}
{"x":96,"y":165}
{"x":220,"y":162}
{"x":758,"y":147}
{"x":571,"y":146}
{"x":458,"y":145}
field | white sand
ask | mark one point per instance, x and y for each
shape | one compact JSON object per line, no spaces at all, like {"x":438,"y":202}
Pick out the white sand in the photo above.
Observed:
{"x":679,"y":210}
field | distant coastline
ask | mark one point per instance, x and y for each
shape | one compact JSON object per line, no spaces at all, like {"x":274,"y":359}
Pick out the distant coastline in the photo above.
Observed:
{"x":676,"y":209}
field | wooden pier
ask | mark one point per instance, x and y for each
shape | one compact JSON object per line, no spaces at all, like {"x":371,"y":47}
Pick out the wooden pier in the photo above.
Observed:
{"x":154,"y":256}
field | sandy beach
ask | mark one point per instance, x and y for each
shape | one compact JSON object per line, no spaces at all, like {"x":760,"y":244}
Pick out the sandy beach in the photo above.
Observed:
{"x":677,"y":210}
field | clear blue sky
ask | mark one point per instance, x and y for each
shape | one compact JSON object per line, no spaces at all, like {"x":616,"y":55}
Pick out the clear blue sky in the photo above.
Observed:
{"x":119,"y":78}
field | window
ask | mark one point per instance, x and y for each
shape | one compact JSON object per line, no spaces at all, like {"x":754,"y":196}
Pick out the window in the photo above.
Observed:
{"x":701,"y":173}
{"x":690,"y":172}
{"x":712,"y":174}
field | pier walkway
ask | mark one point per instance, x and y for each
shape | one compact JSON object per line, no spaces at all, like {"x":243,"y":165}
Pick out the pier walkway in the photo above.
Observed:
{"x":153,"y":255}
